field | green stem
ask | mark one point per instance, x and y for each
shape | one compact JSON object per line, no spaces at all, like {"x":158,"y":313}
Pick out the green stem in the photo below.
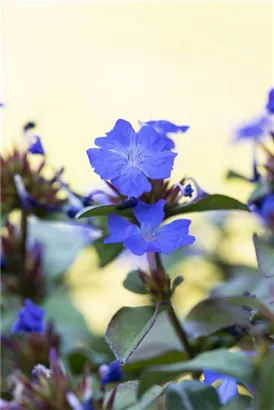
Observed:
{"x":180,"y":331}
{"x":23,"y":254}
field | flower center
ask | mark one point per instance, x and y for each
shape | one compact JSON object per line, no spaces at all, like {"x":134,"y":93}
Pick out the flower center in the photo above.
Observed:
{"x":134,"y":156}
{"x":148,"y":232}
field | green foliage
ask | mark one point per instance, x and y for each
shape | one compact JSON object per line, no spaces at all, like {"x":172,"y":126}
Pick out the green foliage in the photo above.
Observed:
{"x":214,"y":202}
{"x":107,"y":252}
{"x":191,"y":395}
{"x":236,"y":364}
{"x":68,"y":320}
{"x":134,"y":283}
{"x":266,"y":382}
{"x":213,"y":314}
{"x":236,"y":175}
{"x":126,"y":397}
{"x":128,"y":327}
{"x":99,"y":210}
{"x":265,"y":255}
{"x":61,"y":244}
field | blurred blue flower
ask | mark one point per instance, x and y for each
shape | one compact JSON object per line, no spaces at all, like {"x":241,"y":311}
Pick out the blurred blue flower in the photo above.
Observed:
{"x":29,"y":126}
{"x":150,"y":236}
{"x":267,"y":209}
{"x":27,"y":201}
{"x":111,"y":373}
{"x":128,"y":159}
{"x":254,"y":130}
{"x":35,"y":145}
{"x":76,"y":404}
{"x":270,"y":103}
{"x":227,"y":389}
{"x":163,"y":127}
{"x":29,"y":319}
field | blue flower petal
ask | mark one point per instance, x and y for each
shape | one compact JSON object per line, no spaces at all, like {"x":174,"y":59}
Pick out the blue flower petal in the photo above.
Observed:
{"x":211,"y":377}
{"x":136,"y":244}
{"x":172,"y":236}
{"x":36,"y":146}
{"x":119,"y":229}
{"x":254,"y":130}
{"x":150,"y":214}
{"x":29,"y":319}
{"x":150,"y":140}
{"x":132,"y":182}
{"x":118,"y":138}
{"x":107,"y":164}
{"x":270,"y":103}
{"x":158,"y":165}
{"x":114,"y":373}
{"x":227,"y":390}
{"x":167,"y":126}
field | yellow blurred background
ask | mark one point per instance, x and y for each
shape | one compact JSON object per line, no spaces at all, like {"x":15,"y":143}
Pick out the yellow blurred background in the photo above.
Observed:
{"x":75,"y":68}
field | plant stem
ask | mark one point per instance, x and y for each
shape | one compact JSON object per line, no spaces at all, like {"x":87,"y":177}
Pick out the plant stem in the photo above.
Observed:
{"x":179,"y":331}
{"x":23,"y":252}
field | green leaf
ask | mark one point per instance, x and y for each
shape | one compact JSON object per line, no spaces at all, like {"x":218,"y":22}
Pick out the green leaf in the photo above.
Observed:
{"x":61,"y":244}
{"x":176,"y":282}
{"x":236,"y":175}
{"x":99,"y":210}
{"x":68,"y":320}
{"x":107,"y":252}
{"x":126,"y":397}
{"x":239,"y":403}
{"x":77,"y":359}
{"x":128,"y":327}
{"x":235,"y":364}
{"x":136,"y":367}
{"x":214,"y":202}
{"x":266,"y":383}
{"x":134,"y":283}
{"x":213,"y":314}
{"x":191,"y":395}
{"x":265,"y":255}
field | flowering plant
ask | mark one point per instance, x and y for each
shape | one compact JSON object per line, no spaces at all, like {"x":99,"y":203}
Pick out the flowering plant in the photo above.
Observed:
{"x":219,"y":356}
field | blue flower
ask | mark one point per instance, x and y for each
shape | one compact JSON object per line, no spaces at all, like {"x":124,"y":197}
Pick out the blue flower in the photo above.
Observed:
{"x":35,"y":145}
{"x":112,"y":373}
{"x":270,"y":103}
{"x":128,"y":159}
{"x":227,"y":389}
{"x":163,"y":127}
{"x":254,"y":130}
{"x":27,"y":201}
{"x":29,"y":319}
{"x":267,"y":209}
{"x":150,"y":236}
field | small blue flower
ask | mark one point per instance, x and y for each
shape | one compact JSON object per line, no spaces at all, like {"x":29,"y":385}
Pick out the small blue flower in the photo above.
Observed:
{"x":35,"y":145}
{"x":187,"y":191}
{"x":128,"y":159}
{"x":27,"y":201}
{"x":227,"y":389}
{"x":150,"y":236}
{"x":163,"y":127}
{"x":254,"y":130}
{"x":270,"y":103}
{"x":112,"y":373}
{"x":3,"y":262}
{"x":29,"y":126}
{"x":267,"y":209}
{"x":29,"y":319}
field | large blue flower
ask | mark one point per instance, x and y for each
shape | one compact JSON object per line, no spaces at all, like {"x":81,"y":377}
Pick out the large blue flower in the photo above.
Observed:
{"x":163,"y":127}
{"x":227,"y":389}
{"x":128,"y":159}
{"x":150,"y":236}
{"x":270,"y":102}
{"x":29,"y":319}
{"x":254,"y":130}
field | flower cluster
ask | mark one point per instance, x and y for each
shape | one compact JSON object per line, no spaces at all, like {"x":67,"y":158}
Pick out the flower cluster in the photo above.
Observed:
{"x":261,"y":133}
{"x":134,"y":162}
